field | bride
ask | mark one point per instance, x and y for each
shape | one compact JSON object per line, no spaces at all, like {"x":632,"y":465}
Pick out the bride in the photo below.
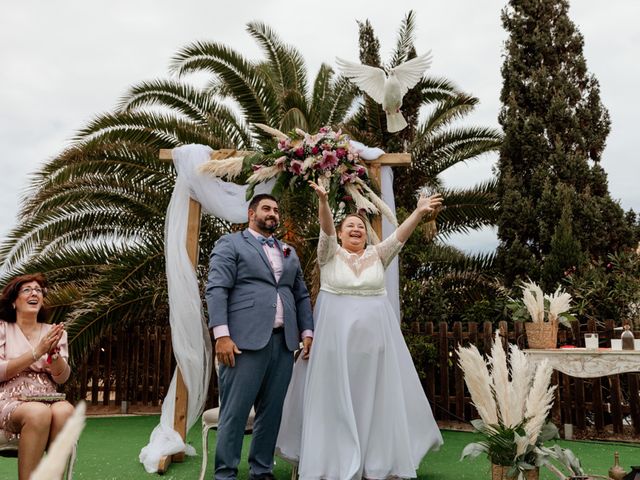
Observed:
{"x":357,"y":408}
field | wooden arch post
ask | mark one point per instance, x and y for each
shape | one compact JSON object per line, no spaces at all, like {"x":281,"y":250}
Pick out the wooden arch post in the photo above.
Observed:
{"x":192,"y":245}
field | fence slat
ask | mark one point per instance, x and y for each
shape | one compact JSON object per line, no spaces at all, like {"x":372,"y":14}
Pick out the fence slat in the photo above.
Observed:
{"x":443,"y":361}
{"x":155,"y":399}
{"x":458,"y":373}
{"x":106,"y":382}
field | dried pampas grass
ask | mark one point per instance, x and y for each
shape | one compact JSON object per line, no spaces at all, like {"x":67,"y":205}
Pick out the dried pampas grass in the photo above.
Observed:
{"x":539,"y":401}
{"x":263,"y":174}
{"x":271,"y":131}
{"x":380,"y":204}
{"x":500,"y":381}
{"x":478,"y":380}
{"x":228,"y":167}
{"x":521,"y":377}
{"x":362,"y":203}
{"x":559,"y":302}
{"x":534,"y":301}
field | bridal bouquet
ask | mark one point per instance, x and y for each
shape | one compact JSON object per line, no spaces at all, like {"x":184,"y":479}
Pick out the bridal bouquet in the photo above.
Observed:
{"x":513,"y":401}
{"x":326,"y":157}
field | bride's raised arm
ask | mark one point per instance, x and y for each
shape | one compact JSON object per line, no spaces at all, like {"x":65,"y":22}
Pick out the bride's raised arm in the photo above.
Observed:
{"x":324,"y":211}
{"x":426,"y":205}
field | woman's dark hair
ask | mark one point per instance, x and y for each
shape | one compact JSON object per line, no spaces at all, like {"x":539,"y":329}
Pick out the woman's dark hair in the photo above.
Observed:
{"x":357,"y":215}
{"x":11,"y":291}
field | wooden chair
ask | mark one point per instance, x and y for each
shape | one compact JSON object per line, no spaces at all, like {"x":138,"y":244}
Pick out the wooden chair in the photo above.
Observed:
{"x":9,"y":448}
{"x":209,"y":421}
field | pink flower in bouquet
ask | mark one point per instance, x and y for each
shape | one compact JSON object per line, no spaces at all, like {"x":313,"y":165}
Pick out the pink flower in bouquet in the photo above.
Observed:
{"x":329,"y":160}
{"x":255,"y":168}
{"x":360,"y":170}
{"x":284,"y":144}
{"x":341,"y":153}
{"x":324,"y":129}
{"x":299,"y":152}
{"x":315,"y":150}
{"x":295,"y":167}
{"x":347,"y":178}
{"x":280,"y":162}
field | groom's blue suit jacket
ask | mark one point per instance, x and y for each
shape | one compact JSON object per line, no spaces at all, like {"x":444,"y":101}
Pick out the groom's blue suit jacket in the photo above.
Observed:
{"x":242,"y":292}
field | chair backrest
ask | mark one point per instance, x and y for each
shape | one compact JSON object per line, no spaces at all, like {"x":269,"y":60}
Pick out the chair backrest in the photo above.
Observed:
{"x":8,"y":448}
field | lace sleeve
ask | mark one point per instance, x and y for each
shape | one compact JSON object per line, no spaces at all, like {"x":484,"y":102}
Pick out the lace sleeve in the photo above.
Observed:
{"x":327,"y":247}
{"x":388,"y":249}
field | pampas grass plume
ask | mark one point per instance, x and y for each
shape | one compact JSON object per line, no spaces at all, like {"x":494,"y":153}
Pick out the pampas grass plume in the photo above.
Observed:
{"x":500,"y":381}
{"x":521,"y":377}
{"x":228,"y":167}
{"x":539,"y":401}
{"x":559,"y":302}
{"x":478,"y":380}
{"x":271,"y":131}
{"x":533,"y":299}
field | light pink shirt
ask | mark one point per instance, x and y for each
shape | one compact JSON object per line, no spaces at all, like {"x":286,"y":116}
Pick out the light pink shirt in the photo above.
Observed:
{"x":13,"y":344}
{"x":275,"y":260}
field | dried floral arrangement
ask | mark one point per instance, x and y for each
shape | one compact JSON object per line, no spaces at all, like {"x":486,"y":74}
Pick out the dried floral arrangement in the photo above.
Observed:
{"x":513,"y":400}
{"x":539,"y":307}
{"x":327,"y":157}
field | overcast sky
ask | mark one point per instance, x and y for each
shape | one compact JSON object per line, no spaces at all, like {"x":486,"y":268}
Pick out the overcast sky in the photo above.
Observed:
{"x":63,"y":62}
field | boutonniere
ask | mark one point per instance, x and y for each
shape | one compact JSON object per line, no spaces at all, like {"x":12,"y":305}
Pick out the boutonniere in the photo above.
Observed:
{"x":286,"y":250}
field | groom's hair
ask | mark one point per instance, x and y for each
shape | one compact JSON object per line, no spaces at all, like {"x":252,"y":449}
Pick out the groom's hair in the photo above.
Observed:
{"x":255,"y":201}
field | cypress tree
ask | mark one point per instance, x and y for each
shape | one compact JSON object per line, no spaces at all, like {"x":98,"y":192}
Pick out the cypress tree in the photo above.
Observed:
{"x":556,"y":212}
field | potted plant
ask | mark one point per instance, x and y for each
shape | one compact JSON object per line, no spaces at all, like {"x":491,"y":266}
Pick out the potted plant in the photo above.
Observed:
{"x":545,"y":312}
{"x":513,"y":402}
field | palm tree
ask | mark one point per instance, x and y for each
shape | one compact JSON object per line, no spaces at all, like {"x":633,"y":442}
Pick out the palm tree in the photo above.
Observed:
{"x":94,"y":217}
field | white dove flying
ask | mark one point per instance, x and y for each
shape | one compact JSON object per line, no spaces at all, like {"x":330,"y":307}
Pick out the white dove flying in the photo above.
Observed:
{"x":388,"y":89}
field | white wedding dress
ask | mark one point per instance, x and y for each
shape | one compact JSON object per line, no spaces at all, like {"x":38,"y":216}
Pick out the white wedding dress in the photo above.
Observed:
{"x":356,"y":408}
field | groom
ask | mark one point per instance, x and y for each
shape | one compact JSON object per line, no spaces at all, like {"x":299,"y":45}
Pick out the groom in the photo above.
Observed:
{"x":259,"y":310}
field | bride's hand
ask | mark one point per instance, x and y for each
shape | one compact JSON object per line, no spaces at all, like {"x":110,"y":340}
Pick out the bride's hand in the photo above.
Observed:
{"x":320,"y":191}
{"x":429,"y":205}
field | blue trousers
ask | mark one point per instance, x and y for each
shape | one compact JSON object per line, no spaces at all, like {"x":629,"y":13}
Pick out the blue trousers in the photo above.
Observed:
{"x":259,"y":378}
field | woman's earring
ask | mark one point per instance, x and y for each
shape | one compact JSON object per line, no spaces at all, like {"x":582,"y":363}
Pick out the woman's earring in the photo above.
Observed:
{"x":13,"y":305}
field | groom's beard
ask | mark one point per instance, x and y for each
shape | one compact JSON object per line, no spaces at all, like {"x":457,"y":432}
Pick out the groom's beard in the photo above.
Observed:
{"x":269,"y":224}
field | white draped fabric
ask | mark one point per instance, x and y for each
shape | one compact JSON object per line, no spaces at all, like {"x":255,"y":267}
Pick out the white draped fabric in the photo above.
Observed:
{"x":190,"y":338}
{"x":189,"y":335}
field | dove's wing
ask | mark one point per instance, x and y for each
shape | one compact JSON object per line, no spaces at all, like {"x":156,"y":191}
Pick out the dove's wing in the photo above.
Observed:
{"x":369,"y":79}
{"x":410,"y":72}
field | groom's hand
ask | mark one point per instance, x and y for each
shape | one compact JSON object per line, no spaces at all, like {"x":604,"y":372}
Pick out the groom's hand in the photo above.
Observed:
{"x":306,"y":347}
{"x":226,"y":350}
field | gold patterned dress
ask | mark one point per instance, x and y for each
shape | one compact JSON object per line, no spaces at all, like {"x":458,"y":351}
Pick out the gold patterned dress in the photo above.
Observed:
{"x":34,"y":380}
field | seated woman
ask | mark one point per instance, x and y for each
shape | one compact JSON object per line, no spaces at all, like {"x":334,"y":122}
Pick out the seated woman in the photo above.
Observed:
{"x":33,"y":359}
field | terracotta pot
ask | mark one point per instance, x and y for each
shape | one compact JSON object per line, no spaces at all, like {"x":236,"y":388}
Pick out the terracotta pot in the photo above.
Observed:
{"x":498,"y":472}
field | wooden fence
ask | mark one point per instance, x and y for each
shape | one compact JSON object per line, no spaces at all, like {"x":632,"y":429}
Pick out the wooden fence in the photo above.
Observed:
{"x":132,"y":369}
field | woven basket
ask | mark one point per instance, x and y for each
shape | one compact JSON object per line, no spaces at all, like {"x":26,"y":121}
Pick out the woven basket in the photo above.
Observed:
{"x":542,"y":335}
{"x":498,"y":472}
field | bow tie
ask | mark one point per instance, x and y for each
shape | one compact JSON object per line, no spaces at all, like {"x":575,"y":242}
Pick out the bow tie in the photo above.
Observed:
{"x":267,"y":240}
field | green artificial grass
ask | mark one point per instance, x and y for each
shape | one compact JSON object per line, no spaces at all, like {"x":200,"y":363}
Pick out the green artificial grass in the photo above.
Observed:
{"x":109,"y":449}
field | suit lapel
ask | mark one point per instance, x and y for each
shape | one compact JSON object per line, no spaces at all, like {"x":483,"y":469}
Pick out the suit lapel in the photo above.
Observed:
{"x":255,"y":243}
